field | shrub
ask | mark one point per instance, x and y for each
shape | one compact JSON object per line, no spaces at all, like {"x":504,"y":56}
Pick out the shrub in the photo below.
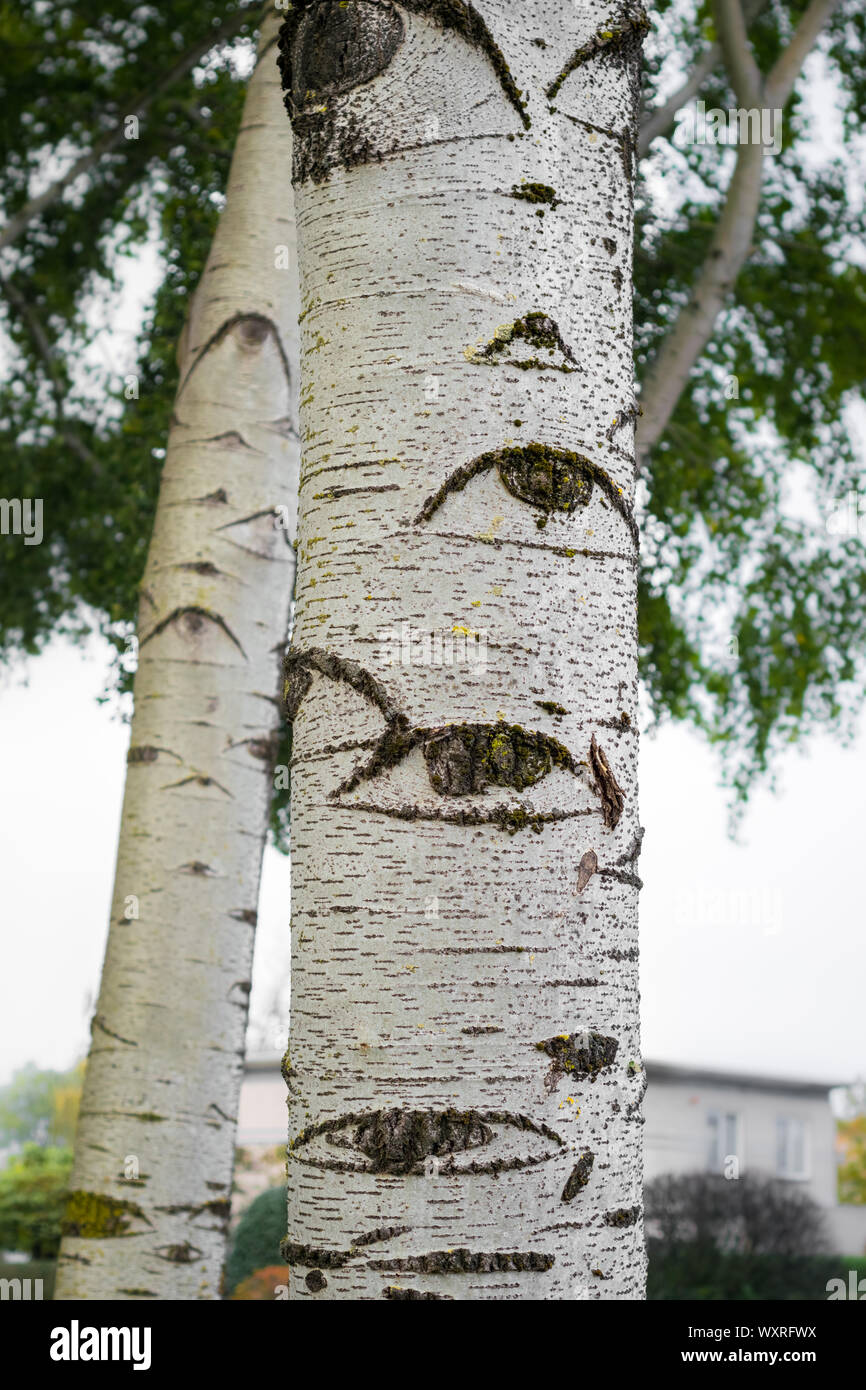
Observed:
{"x":754,"y":1237}
{"x":32,"y":1196}
{"x":256,"y":1243}
{"x":262,"y":1285}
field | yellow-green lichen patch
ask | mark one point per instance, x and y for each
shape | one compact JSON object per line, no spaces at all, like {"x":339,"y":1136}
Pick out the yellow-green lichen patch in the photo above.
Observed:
{"x":92,"y":1216}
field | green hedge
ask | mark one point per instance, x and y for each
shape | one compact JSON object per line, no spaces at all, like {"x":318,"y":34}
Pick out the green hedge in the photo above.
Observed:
{"x":699,"y":1272}
{"x":257,"y":1239}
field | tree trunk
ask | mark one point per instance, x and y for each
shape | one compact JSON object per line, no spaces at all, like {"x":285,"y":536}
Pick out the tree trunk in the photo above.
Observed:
{"x":155,"y":1145}
{"x":464,"y":1070}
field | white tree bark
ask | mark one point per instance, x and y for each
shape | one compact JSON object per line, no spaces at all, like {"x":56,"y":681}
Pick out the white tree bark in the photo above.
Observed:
{"x":464,"y":1067}
{"x":155,"y":1145}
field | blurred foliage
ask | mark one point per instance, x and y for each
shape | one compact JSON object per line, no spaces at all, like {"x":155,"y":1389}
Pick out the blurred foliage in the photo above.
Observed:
{"x":256,"y":1242}
{"x":32,"y":1195}
{"x":692,"y":1271}
{"x":852,"y":1169}
{"x":40,"y":1107}
{"x":751,"y":1215}
{"x":68,"y":433}
{"x":752,"y":619}
{"x":262,"y":1285}
{"x":755,"y":1237}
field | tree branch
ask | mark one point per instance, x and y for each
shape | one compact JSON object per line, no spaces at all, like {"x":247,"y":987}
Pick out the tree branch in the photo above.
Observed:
{"x":693,"y":327}
{"x":743,"y":71}
{"x":112,"y":138}
{"x":45,"y":349}
{"x":785,"y":71}
{"x":659,"y":120}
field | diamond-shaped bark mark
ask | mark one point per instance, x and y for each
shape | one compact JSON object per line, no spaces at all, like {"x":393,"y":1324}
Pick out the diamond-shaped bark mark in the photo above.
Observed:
{"x":182,"y":1254}
{"x":248,"y":332}
{"x":578,"y":1054}
{"x":579,"y":1176}
{"x":260,"y":534}
{"x":611,"y":793}
{"x":192,"y":634}
{"x":240,"y":988}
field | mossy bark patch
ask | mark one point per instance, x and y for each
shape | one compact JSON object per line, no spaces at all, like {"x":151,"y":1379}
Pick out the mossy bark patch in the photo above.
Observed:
{"x":537,"y":329}
{"x":535,"y":193}
{"x":468,"y":758}
{"x":91,"y":1216}
{"x":465,"y":1261}
{"x":579,"y":1054}
{"x":622,"y":1216}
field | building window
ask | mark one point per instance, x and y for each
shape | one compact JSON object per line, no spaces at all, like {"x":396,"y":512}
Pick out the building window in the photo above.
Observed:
{"x":724,"y":1142}
{"x":792,"y":1148}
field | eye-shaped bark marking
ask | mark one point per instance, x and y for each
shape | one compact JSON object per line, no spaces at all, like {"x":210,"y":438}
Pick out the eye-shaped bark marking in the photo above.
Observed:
{"x":329,"y":47}
{"x":397,"y":1141}
{"x":334,"y":47}
{"x":579,"y":1176}
{"x":401,"y":1143}
{"x":606,"y":785}
{"x":298,"y":679}
{"x":461,"y":759}
{"x":540,"y":331}
{"x":621,"y":37}
{"x":548,"y":478}
{"x":578,"y":1054}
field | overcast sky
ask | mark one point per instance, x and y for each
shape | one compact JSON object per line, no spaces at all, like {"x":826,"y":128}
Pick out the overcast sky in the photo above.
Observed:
{"x":753,"y":954}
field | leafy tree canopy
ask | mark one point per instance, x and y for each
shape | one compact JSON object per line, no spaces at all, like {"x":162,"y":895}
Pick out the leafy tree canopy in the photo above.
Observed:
{"x":40,"y":1107}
